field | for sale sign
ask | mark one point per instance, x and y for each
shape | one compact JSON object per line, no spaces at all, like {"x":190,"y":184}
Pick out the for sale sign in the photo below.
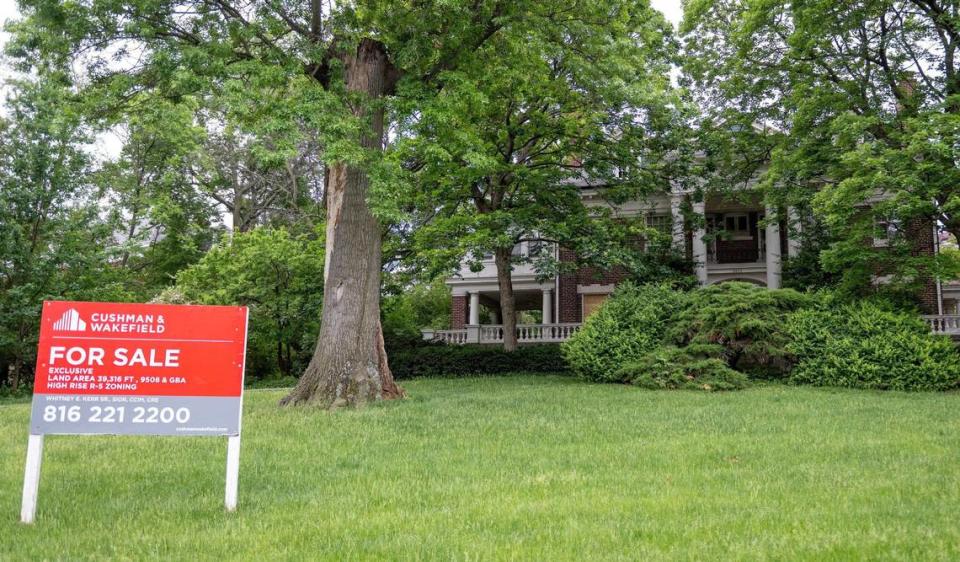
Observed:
{"x":109,"y":368}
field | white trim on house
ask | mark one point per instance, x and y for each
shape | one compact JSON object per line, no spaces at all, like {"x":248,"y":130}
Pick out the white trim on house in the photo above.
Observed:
{"x":595,"y":289}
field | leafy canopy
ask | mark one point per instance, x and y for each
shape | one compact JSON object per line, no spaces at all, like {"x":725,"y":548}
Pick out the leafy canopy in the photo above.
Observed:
{"x":862,"y":99}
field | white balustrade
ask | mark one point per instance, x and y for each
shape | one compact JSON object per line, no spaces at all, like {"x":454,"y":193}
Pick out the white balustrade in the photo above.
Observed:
{"x":493,"y":333}
{"x":560,"y":332}
{"x":458,"y":337}
{"x":944,"y":324}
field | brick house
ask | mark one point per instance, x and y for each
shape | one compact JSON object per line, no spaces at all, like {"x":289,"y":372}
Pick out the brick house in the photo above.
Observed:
{"x":734,"y":245}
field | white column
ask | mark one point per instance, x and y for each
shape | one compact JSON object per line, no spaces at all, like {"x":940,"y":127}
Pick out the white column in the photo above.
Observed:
{"x":794,"y":229}
{"x":679,"y":238}
{"x":773,"y":249}
{"x":699,"y":246}
{"x":474,"y":308}
{"x":547,"y":306}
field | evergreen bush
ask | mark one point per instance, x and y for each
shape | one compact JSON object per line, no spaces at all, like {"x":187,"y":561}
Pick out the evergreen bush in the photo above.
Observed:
{"x":869,"y":345}
{"x":628,"y":325}
{"x":694,"y":368}
{"x":746,"y":321}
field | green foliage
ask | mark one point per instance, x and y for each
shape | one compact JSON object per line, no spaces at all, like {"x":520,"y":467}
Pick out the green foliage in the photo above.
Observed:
{"x":745,"y":320}
{"x":422,"y":305}
{"x":53,"y":242}
{"x":691,"y":368}
{"x":280,"y":277}
{"x":164,"y":222}
{"x":852,"y":108}
{"x":867,"y":345}
{"x":22,"y":392}
{"x":501,"y":154}
{"x":630,"y":323}
{"x":440,"y":360}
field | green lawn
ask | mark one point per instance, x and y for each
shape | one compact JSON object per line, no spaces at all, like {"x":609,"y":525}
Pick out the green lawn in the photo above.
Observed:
{"x":516,"y":469}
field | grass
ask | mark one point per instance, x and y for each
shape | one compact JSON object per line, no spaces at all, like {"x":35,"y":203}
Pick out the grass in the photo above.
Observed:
{"x":526,"y":468}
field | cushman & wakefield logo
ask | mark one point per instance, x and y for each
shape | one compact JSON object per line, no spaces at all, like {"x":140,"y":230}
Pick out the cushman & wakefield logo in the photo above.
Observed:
{"x":111,"y":323}
{"x":70,"y":322}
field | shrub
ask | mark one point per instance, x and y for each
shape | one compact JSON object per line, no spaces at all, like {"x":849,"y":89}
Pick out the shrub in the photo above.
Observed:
{"x":867,"y":345}
{"x":272,"y":382}
{"x":441,"y":360}
{"x":746,"y":320}
{"x":630,"y":324}
{"x":694,"y":368}
{"x":424,"y":305}
{"x":279,"y":276}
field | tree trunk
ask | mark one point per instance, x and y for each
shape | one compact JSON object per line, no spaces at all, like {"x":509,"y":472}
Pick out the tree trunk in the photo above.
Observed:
{"x":281,"y":361}
{"x":349,"y":366}
{"x":507,"y":306}
{"x":17,"y":373}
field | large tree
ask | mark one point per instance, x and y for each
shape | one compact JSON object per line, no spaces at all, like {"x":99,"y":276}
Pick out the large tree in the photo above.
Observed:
{"x":340,"y":67}
{"x":539,"y":113}
{"x":863,"y":100}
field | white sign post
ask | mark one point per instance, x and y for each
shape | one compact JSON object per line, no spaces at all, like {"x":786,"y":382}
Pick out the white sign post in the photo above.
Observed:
{"x":31,"y":478}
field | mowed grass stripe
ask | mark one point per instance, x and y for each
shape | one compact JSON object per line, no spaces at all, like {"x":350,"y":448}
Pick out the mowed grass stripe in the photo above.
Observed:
{"x":514,"y":468}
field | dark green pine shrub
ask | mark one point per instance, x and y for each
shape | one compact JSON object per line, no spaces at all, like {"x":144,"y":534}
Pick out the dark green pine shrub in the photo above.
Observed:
{"x":630,"y":324}
{"x":440,"y":360}
{"x":867,"y":345}
{"x":695,"y":367}
{"x":748,"y":322}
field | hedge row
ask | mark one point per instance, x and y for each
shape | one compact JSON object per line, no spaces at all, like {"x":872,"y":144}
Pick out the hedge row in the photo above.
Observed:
{"x":717,"y":337}
{"x":440,"y":360}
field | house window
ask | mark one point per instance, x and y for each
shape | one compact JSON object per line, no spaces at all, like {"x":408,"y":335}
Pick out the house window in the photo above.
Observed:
{"x":885,"y":231}
{"x":661,"y":223}
{"x":737,"y":226}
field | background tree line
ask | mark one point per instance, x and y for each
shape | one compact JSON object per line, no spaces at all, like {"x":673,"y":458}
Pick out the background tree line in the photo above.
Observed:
{"x":265,"y":145}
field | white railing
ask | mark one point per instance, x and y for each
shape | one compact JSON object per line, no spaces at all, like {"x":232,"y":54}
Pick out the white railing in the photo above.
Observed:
{"x":448,"y":336}
{"x":546,"y":332}
{"x":944,"y":324}
{"x":493,"y":333}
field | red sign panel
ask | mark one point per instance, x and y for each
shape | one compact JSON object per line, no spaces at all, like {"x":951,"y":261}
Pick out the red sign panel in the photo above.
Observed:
{"x":121,"y":353}
{"x":140,"y":349}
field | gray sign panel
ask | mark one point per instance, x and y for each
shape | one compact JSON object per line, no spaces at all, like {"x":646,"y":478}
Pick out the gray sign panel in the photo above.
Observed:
{"x":72,"y":414}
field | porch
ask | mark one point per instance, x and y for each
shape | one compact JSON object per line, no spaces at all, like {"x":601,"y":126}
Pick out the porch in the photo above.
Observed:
{"x":493,"y":333}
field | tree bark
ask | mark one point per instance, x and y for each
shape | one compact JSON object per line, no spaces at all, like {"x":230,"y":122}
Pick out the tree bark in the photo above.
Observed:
{"x":17,"y":372}
{"x":508,"y":307}
{"x":349,"y":366}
